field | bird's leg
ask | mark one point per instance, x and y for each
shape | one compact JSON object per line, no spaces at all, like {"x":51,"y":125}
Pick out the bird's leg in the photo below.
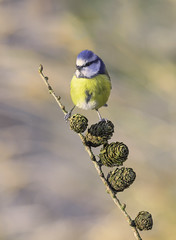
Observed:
{"x":68,"y":115}
{"x":100,"y":117}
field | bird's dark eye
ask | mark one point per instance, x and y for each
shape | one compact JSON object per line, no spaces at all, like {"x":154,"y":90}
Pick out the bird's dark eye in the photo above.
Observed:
{"x":88,"y":64}
{"x":78,"y":67}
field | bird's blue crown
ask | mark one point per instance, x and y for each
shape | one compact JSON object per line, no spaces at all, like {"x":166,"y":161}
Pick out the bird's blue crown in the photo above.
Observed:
{"x":88,"y":64}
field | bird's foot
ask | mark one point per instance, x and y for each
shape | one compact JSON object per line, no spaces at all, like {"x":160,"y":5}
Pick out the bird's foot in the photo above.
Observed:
{"x":103,"y":120}
{"x":68,"y":115}
{"x":100,"y":117}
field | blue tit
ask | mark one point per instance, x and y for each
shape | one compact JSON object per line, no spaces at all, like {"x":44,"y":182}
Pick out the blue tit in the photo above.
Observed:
{"x":90,"y":86}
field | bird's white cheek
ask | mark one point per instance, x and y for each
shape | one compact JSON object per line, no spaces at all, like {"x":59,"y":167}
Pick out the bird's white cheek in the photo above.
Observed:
{"x":87,"y":72}
{"x":92,"y":70}
{"x":77,"y":73}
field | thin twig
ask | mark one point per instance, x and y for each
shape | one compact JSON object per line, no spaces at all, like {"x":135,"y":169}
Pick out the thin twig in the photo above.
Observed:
{"x":121,"y":206}
{"x":51,"y":91}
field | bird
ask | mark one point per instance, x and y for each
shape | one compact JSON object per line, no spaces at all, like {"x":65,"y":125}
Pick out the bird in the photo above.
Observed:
{"x":91,"y":85}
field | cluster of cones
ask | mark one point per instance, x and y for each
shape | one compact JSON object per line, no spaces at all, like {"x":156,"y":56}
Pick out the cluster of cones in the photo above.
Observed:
{"x":111,"y":155}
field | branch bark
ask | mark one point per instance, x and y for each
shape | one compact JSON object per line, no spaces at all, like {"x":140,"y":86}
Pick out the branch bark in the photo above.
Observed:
{"x":98,"y":167}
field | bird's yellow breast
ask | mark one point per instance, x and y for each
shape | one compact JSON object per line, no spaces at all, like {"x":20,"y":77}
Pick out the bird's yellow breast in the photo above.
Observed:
{"x":90,"y":93}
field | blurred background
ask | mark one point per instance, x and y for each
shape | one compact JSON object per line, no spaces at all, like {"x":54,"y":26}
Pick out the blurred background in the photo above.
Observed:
{"x":49,"y":188}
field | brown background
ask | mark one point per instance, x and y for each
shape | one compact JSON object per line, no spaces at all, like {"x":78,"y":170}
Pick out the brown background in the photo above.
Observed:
{"x":49,"y":188}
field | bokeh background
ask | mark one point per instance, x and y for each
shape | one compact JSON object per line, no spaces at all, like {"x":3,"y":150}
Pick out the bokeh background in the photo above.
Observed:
{"x":49,"y":188}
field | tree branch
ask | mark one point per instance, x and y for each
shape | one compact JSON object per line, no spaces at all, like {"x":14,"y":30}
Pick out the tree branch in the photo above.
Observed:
{"x":98,"y":167}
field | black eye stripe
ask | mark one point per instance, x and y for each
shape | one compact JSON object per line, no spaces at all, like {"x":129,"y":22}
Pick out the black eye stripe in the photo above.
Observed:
{"x":87,"y":64}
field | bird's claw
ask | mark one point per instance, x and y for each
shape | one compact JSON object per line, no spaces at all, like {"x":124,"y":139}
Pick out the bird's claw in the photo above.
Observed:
{"x":67,"y":116}
{"x":103,"y":120}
